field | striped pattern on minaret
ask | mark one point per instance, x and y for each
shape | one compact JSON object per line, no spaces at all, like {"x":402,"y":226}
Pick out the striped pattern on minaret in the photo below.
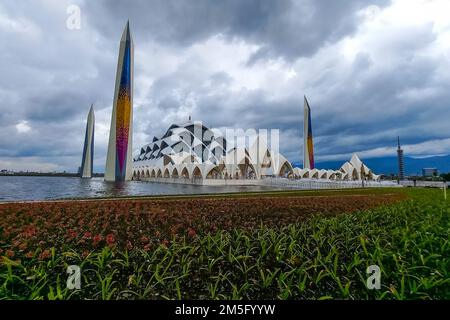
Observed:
{"x":401,"y":163}
{"x":119,"y":160}
{"x":88,"y":149}
{"x":308,"y":147}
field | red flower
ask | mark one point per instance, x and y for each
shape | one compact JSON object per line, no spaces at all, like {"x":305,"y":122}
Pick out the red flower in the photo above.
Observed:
{"x":110,"y":239}
{"x":29,"y":254}
{"x":96,"y":239}
{"x":87,"y":235}
{"x":10,"y":253}
{"x":29,"y":231}
{"x":45,"y":255}
{"x":191,"y":233}
{"x":72,"y":234}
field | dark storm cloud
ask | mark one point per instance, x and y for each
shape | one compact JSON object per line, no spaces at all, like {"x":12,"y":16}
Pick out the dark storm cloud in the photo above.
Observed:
{"x":59,"y":106}
{"x":289,"y":29}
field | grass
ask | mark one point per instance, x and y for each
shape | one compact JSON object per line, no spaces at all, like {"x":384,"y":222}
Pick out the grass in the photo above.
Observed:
{"x":321,"y":257}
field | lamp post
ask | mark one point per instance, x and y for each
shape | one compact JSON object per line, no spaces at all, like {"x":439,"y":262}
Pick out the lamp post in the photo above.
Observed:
{"x":362,"y":174}
{"x":445,"y":190}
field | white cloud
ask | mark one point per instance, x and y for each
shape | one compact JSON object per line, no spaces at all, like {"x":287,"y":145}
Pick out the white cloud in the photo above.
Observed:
{"x":23,"y":127}
{"x":36,"y":164}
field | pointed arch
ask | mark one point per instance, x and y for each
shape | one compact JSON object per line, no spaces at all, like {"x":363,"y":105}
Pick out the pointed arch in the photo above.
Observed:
{"x":214,"y":173}
{"x":166,"y":173}
{"x":314,"y":174}
{"x":185,"y":173}
{"x":286,"y":169}
{"x":197,"y":173}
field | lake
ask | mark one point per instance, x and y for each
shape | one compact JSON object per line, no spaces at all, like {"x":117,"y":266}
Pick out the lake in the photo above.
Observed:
{"x":14,"y":188}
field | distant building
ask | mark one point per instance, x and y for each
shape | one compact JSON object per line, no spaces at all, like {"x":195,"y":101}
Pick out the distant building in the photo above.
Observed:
{"x":401,"y":163}
{"x":429,"y":172}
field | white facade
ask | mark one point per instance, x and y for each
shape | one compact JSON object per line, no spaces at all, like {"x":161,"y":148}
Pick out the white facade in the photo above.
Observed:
{"x":354,"y":170}
{"x":193,"y":153}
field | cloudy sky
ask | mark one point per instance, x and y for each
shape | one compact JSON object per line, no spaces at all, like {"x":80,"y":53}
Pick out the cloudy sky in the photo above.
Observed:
{"x":371,"y":70}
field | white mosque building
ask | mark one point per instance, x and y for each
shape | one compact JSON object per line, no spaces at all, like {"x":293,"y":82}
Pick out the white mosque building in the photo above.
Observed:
{"x":191,"y":153}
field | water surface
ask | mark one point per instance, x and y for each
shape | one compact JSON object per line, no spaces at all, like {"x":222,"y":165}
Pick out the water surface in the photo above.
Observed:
{"x":13,"y":188}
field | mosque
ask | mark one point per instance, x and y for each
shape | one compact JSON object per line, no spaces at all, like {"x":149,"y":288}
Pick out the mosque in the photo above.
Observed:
{"x":193,"y":153}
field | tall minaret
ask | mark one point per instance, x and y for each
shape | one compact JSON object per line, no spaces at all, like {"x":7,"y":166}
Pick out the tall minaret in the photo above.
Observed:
{"x":119,"y":157}
{"x":88,"y":149}
{"x":308,"y":149}
{"x":401,"y":163}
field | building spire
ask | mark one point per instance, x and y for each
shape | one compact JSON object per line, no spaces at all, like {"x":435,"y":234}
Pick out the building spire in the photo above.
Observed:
{"x":308,"y":147}
{"x":87,"y":159}
{"x":118,"y":158}
{"x":401,"y":162}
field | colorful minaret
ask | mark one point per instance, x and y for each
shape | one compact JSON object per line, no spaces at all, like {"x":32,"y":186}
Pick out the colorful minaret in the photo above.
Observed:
{"x":308,"y":149}
{"x":88,"y":149}
{"x":119,"y":160}
{"x":401,"y":163}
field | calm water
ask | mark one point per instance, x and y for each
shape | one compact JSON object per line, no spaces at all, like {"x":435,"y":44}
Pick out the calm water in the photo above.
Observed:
{"x":41,"y":188}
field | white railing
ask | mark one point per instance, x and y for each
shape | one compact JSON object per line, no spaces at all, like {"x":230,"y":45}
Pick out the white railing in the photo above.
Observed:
{"x":311,"y":184}
{"x":285,"y":183}
{"x":419,"y":183}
